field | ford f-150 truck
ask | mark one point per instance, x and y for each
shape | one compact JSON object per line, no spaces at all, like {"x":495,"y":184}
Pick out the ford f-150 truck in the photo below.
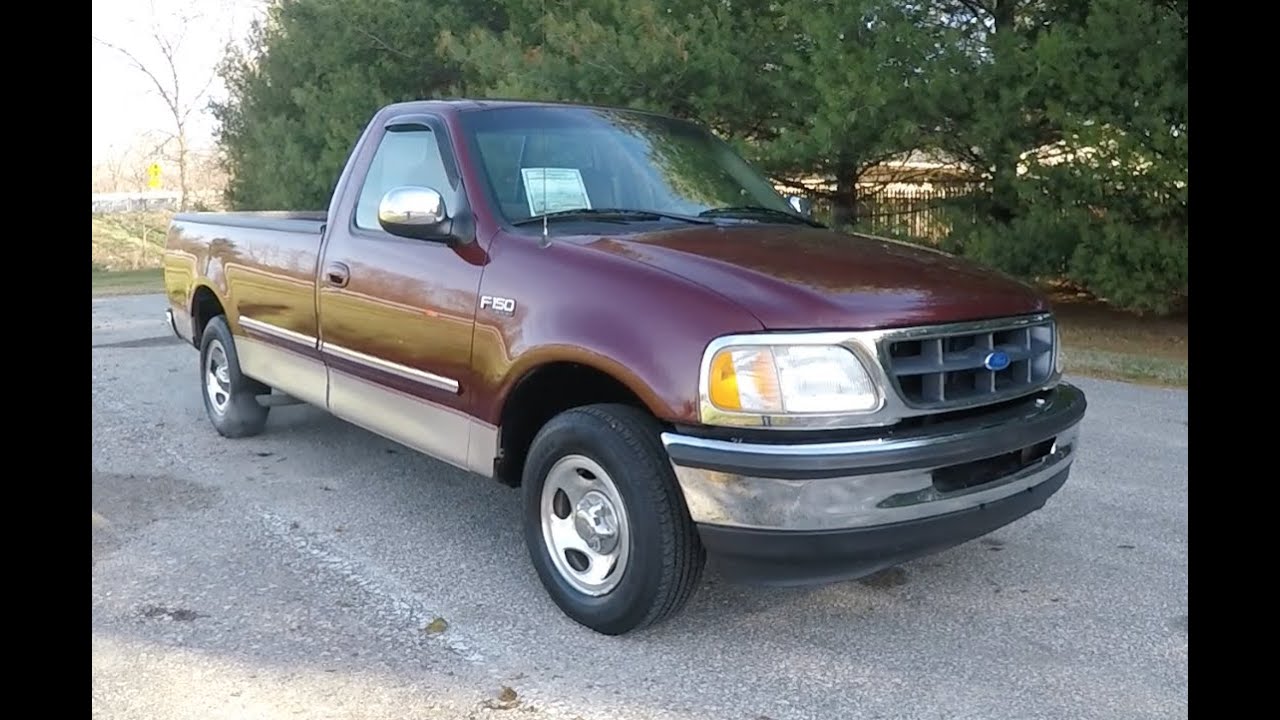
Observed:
{"x":614,"y":312}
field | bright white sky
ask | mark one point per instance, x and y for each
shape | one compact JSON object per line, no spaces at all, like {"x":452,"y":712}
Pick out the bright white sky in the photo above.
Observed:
{"x":125,"y":104}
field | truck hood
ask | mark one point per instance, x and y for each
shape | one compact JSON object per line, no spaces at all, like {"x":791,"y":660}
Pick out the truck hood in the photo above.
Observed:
{"x":794,"y":278}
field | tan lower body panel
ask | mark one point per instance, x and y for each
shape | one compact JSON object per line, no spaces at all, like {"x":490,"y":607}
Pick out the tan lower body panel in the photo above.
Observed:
{"x":291,"y":373}
{"x":431,"y":429}
{"x":427,"y":427}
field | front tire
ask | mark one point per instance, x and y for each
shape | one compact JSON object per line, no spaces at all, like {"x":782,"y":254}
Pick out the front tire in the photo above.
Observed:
{"x":230,"y":398}
{"x":605,"y":522}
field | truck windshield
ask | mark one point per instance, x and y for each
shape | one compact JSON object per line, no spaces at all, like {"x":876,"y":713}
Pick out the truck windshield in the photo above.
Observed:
{"x":547,"y":159}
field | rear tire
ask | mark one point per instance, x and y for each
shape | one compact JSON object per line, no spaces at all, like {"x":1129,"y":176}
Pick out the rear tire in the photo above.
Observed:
{"x":605,"y":521}
{"x":230,"y":398}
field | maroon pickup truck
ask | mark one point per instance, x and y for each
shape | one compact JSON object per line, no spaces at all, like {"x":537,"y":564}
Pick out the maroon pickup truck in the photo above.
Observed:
{"x":613,"y":311}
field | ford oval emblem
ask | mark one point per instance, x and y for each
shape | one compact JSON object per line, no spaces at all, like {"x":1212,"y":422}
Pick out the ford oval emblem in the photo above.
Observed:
{"x":996,"y":361}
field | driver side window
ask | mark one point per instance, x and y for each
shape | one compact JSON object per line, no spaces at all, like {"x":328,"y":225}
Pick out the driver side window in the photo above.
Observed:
{"x":404,"y":157}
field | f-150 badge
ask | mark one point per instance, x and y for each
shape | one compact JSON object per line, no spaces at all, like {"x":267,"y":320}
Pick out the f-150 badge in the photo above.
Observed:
{"x":501,"y":305}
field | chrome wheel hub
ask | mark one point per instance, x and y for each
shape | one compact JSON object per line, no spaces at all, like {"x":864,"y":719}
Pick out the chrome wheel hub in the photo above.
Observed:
{"x":596,"y":522}
{"x":217,"y":378}
{"x":584,"y":525}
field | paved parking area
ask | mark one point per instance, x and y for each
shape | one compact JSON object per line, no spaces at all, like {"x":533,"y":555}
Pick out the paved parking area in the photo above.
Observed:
{"x":309,"y":572}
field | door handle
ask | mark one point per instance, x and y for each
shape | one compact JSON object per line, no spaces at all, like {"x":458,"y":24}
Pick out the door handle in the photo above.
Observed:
{"x":337,"y":274}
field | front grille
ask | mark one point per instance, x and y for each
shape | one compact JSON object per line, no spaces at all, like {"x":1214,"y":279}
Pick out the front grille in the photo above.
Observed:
{"x":949,"y":368}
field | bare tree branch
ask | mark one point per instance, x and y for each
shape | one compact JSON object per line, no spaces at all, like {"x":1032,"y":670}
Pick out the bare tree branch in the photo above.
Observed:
{"x":194,"y":105}
{"x":138,"y":65}
{"x":169,"y":86}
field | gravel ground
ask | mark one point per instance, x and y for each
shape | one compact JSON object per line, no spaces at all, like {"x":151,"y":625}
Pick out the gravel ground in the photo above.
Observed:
{"x":319,"y":571}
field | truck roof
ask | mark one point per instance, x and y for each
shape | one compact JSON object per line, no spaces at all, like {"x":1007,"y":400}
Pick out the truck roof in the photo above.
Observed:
{"x":456,"y":105}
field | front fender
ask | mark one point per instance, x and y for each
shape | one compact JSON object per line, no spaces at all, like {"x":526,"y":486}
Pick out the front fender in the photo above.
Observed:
{"x":642,"y":326}
{"x":606,"y":362}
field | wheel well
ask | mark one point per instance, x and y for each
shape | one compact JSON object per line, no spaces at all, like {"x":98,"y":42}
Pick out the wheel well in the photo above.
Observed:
{"x":204,"y":307}
{"x":541,"y":395}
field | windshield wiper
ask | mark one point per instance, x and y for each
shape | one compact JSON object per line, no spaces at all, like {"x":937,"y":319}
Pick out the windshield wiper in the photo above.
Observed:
{"x":606,"y":214}
{"x":749,"y":211}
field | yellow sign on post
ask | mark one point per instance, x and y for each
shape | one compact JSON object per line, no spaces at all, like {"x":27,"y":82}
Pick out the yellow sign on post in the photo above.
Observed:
{"x":153,"y":176}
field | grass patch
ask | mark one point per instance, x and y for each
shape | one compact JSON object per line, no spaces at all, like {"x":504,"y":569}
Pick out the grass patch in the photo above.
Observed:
{"x":1130,"y":368}
{"x":1101,"y":341}
{"x":128,"y":282}
{"x":129,"y":241}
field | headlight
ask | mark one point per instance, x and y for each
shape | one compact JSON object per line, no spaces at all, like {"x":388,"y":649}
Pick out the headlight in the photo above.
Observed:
{"x":790,"y":379}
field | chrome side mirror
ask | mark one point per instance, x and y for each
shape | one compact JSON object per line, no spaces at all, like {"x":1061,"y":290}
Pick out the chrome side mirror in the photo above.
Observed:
{"x":413,"y":212}
{"x":801,"y":205}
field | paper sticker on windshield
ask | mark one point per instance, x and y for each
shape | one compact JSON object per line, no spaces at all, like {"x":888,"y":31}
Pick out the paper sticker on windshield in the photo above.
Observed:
{"x":554,"y":189}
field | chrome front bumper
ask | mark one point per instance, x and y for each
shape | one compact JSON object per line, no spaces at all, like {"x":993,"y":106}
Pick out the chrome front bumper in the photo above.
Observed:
{"x":168,"y":318}
{"x":858,"y":484}
{"x":180,"y":324}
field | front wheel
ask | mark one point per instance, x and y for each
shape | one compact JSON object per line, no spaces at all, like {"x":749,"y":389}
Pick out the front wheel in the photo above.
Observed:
{"x":605,"y":521}
{"x":230,"y":398}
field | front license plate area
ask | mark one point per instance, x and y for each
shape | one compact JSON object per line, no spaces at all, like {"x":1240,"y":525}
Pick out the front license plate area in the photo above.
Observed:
{"x":980,"y":472}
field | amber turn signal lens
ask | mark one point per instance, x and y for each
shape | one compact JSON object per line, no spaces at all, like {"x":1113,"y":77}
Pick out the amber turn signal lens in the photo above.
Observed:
{"x":745,"y":378}
{"x":724,"y":382}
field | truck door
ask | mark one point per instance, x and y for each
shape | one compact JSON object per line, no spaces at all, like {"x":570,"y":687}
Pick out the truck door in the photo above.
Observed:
{"x":396,"y":315}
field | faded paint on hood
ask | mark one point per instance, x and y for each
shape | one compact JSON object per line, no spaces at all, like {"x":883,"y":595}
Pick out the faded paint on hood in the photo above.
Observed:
{"x":794,"y":277}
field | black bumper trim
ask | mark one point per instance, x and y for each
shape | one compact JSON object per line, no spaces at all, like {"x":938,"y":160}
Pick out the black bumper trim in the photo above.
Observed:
{"x":938,"y":445}
{"x":779,"y":557}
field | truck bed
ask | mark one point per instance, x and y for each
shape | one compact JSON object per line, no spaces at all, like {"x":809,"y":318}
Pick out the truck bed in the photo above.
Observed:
{"x":264,"y":263}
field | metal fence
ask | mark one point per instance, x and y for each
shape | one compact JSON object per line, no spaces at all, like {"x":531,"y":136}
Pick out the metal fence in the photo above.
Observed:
{"x":925,"y":211}
{"x":134,"y":202}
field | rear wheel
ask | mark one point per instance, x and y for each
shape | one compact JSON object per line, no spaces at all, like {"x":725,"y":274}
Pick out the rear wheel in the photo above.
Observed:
{"x":605,"y":521}
{"x":230,"y":398}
